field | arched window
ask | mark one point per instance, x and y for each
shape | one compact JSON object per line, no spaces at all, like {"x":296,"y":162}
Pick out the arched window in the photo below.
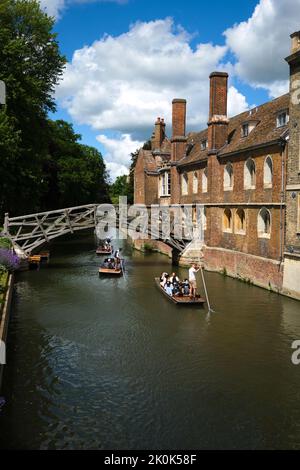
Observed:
{"x":184,"y":183}
{"x":227,"y":220}
{"x":228,"y":177}
{"x":204,"y":180}
{"x":249,"y":174}
{"x":195,"y":182}
{"x":240,"y":221}
{"x":204,"y":221}
{"x":264,"y":223}
{"x":268,"y":172}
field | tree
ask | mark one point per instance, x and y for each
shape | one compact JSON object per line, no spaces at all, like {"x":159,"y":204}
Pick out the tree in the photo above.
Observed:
{"x":31,"y":66}
{"x":119,"y":188}
{"x":74,"y":174}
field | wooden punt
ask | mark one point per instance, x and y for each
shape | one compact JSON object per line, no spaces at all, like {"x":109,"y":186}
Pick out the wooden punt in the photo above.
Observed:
{"x":113,"y":271}
{"x":102,"y":251}
{"x":45,"y":255}
{"x":181,"y":300}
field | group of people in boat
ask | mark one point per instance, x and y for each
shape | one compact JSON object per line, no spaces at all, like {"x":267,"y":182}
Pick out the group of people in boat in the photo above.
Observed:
{"x":173,"y":286}
{"x":106,"y":246}
{"x":113,"y":263}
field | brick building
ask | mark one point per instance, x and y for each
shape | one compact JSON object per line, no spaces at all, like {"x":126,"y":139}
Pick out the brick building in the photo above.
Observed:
{"x":246,"y":172}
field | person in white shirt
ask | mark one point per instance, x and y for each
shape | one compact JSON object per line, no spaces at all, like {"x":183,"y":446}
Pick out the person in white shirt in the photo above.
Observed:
{"x":169,"y":288}
{"x":192,"y":279}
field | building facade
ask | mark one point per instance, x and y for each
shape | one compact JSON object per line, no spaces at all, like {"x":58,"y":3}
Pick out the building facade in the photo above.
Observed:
{"x":245,"y":170}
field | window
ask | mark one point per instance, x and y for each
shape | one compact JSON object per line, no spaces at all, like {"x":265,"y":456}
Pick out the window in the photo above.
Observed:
{"x":240,"y":221}
{"x":204,"y":219}
{"x":268,"y":172}
{"x":264,"y":223}
{"x":282,"y":119}
{"x":245,"y":130}
{"x":203,"y":144}
{"x":249,"y":174}
{"x":228,"y":177}
{"x":165,"y":184}
{"x":184,"y":184}
{"x":204,"y":180}
{"x":227,"y":220}
{"x":195,"y":182}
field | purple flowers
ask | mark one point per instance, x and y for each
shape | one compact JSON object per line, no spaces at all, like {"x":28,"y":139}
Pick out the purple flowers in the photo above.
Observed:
{"x":9,"y":259}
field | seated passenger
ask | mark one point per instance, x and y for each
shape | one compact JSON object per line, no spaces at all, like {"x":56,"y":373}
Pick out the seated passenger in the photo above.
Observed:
{"x":163,"y":279}
{"x":174,"y":278}
{"x":169,"y":288}
{"x":186,"y":287}
{"x":176,"y":289}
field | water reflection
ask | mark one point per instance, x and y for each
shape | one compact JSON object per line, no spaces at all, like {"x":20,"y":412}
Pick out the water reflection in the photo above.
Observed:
{"x":111,"y":363}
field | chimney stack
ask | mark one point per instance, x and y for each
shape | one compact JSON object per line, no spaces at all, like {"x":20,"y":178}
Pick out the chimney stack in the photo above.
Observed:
{"x":178,"y":129}
{"x":178,"y":118}
{"x":295,"y":42}
{"x":158,"y":134}
{"x":218,"y":121}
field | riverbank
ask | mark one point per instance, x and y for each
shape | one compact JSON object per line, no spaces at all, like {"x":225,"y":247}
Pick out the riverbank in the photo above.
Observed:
{"x":7,"y":283}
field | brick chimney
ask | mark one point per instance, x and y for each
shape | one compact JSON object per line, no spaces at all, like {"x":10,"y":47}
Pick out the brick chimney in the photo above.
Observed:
{"x":178,"y":142}
{"x":218,"y":121}
{"x":178,"y":129}
{"x":159,"y":134}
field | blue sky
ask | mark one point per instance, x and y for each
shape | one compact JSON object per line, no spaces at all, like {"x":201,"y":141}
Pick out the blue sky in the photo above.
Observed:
{"x":128,"y":59}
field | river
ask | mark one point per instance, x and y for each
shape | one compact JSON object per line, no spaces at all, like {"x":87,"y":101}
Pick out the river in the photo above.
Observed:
{"x":112,"y":364}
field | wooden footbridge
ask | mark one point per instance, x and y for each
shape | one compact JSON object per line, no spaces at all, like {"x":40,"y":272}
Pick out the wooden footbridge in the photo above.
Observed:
{"x":29,"y":232}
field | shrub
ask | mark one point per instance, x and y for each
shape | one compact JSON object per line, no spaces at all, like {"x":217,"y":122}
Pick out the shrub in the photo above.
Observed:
{"x":4,"y":242}
{"x":8,"y":259}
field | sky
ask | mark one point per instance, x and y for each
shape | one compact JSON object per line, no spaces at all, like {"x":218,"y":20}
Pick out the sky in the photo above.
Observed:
{"x":127,"y":60}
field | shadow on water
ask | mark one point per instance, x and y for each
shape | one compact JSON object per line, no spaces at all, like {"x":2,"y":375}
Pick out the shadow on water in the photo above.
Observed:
{"x":112,"y":364}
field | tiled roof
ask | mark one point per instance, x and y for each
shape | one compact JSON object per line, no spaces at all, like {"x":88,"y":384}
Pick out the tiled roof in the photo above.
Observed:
{"x":149,"y":160}
{"x":265,"y":131}
{"x":166,"y":146}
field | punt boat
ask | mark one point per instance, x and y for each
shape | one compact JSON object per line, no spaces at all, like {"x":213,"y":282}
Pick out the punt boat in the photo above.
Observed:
{"x":181,"y":299}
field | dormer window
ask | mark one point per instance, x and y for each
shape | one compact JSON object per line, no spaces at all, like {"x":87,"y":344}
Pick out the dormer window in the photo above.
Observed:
{"x":282,"y":119}
{"x":245,"y":130}
{"x":203,"y":144}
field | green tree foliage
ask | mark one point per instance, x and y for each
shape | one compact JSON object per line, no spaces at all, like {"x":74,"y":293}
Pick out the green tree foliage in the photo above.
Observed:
{"x":74,"y":174}
{"x":120,"y":187}
{"x":31,"y":66}
{"x":42,"y":164}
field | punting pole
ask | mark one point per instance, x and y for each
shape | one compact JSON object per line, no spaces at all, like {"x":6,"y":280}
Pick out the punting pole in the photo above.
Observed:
{"x":205,"y":289}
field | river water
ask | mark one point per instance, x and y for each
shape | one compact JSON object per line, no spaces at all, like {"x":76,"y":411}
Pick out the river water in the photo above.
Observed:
{"x":112,"y":364}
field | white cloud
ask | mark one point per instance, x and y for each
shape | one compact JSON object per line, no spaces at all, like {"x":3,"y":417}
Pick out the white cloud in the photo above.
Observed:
{"x":261,"y":43}
{"x":56,"y":7}
{"x":237,"y":102}
{"x":53,"y":7}
{"x":118,"y":150}
{"x":123,"y":83}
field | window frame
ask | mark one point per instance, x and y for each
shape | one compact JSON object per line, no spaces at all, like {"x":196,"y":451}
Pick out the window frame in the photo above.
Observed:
{"x":230,"y":228}
{"x":268,"y":184}
{"x":260,"y":233}
{"x":246,"y":168}
{"x":236,"y":216}
{"x":228,"y":188}
{"x":185,"y":178}
{"x":204,"y":178}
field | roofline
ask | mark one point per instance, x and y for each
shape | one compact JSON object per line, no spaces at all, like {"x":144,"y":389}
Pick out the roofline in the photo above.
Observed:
{"x":195,"y":162}
{"x":252,"y":147}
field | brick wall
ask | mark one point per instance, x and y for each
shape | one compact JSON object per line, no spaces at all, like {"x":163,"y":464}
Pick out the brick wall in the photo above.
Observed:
{"x":259,"y":271}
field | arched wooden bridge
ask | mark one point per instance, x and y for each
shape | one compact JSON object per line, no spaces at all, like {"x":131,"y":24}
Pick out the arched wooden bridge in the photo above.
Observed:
{"x":29,"y":232}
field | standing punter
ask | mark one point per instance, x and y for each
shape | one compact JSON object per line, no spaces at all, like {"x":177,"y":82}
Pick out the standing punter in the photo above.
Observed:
{"x":192,"y":280}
